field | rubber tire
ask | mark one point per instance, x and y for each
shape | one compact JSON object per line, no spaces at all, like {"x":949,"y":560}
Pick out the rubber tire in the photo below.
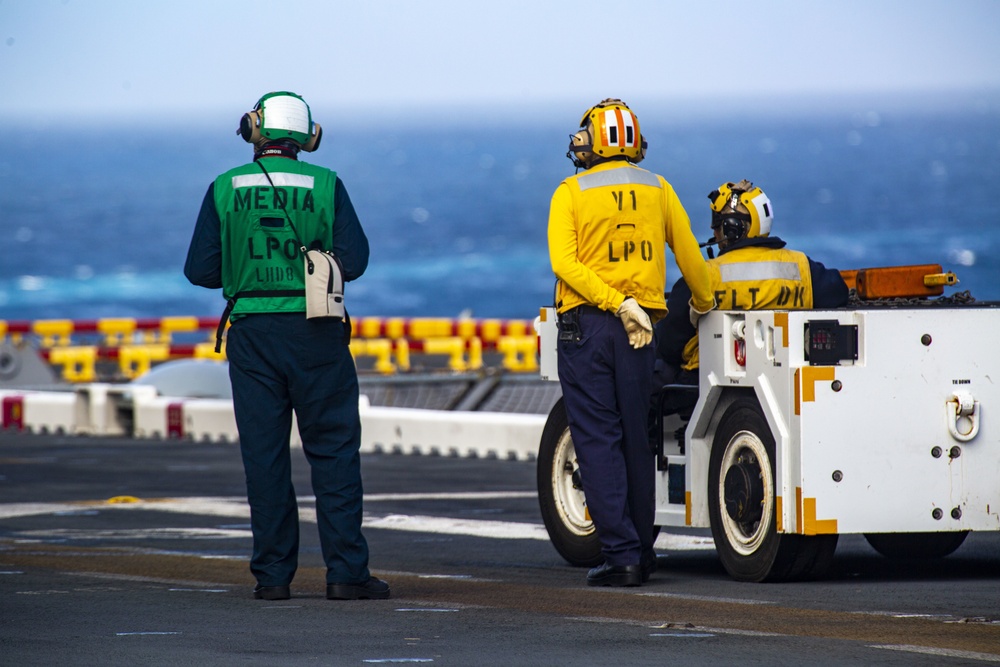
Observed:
{"x":916,"y":546}
{"x":563,"y":506}
{"x":757,"y":552}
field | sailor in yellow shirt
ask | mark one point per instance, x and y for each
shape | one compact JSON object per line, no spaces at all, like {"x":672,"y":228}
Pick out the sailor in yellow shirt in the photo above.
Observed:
{"x":607,"y":231}
{"x":754,"y":270}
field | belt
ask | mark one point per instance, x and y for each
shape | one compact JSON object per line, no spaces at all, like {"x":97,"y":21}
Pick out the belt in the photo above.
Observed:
{"x":231,"y":303}
{"x":580,"y":310}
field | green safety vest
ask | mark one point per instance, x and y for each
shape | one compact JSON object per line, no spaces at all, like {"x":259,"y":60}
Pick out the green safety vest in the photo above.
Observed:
{"x":262,"y":264}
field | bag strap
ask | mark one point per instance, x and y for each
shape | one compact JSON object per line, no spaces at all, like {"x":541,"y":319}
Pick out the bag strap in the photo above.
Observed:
{"x":302,"y":246}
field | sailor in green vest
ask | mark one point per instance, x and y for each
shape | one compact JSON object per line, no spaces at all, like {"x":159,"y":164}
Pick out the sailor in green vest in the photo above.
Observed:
{"x":248,"y":239}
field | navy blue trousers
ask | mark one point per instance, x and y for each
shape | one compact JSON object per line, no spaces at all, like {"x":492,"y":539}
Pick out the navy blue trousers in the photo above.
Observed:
{"x":606,"y":390}
{"x":281,"y":362}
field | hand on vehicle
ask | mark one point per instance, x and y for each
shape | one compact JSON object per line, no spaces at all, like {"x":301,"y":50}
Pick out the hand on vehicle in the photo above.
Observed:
{"x":694,"y":314}
{"x":637,"y":324}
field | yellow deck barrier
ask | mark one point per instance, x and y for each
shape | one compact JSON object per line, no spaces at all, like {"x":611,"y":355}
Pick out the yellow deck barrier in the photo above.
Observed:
{"x":379,"y":327}
{"x":430,"y":327}
{"x":520,"y":328}
{"x":380,"y":348}
{"x":207,"y":351}
{"x":135,"y":360}
{"x":403,"y":354}
{"x":78,"y":363}
{"x":519,"y":353}
{"x":170,"y":325}
{"x":53,"y":332}
{"x":466,"y":329}
{"x":490,"y":331}
{"x":137,"y":345}
{"x":455,"y":348}
{"x":116,"y":331}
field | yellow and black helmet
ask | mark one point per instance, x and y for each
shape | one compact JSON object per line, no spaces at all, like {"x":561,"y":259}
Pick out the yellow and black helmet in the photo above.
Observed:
{"x":742,"y":210}
{"x":608,"y":130}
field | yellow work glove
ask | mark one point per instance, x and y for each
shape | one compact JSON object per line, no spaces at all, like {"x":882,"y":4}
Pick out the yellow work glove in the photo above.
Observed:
{"x":637,"y":324}
{"x":694,"y":314}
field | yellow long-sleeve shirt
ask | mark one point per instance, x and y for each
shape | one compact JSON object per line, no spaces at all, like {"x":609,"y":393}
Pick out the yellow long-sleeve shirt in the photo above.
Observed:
{"x":607,"y":229}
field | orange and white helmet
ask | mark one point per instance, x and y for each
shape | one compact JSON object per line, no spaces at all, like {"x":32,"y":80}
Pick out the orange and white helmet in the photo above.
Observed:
{"x":608,"y":130}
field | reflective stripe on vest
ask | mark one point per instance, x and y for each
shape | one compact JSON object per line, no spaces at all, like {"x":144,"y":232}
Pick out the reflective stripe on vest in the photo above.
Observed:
{"x":757,"y":271}
{"x":279,"y":178}
{"x":617,"y":177}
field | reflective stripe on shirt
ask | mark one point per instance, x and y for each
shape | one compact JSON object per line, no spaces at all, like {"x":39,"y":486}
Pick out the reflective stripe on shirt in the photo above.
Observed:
{"x":621,"y":176}
{"x":279,"y":178}
{"x":759,"y":271}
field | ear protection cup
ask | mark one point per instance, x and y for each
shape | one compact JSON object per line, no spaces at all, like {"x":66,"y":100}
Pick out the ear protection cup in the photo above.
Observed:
{"x":317,"y":136}
{"x":580,"y":145}
{"x":250,"y":127}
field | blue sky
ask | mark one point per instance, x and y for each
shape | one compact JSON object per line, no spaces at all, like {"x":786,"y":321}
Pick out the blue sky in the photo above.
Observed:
{"x":183,"y":59}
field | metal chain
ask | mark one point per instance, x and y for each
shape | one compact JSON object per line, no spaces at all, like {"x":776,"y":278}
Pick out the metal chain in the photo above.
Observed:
{"x":957,"y":299}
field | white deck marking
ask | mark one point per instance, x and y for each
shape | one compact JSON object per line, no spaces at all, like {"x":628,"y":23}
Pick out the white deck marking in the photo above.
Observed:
{"x":704,"y":598}
{"x":450,"y":526}
{"x":236,"y":507}
{"x":472,"y":495}
{"x":135,"y":534}
{"x":198,"y":590}
{"x":943,"y":652}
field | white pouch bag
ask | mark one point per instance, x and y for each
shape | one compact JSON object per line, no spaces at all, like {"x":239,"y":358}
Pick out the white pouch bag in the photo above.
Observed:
{"x":324,"y":285}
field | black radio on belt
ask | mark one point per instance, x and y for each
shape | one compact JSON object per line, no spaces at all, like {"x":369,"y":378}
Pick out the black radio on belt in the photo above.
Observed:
{"x":569,"y":326}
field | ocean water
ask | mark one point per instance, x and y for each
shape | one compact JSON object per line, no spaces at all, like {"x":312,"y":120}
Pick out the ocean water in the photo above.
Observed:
{"x":97,"y":220}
